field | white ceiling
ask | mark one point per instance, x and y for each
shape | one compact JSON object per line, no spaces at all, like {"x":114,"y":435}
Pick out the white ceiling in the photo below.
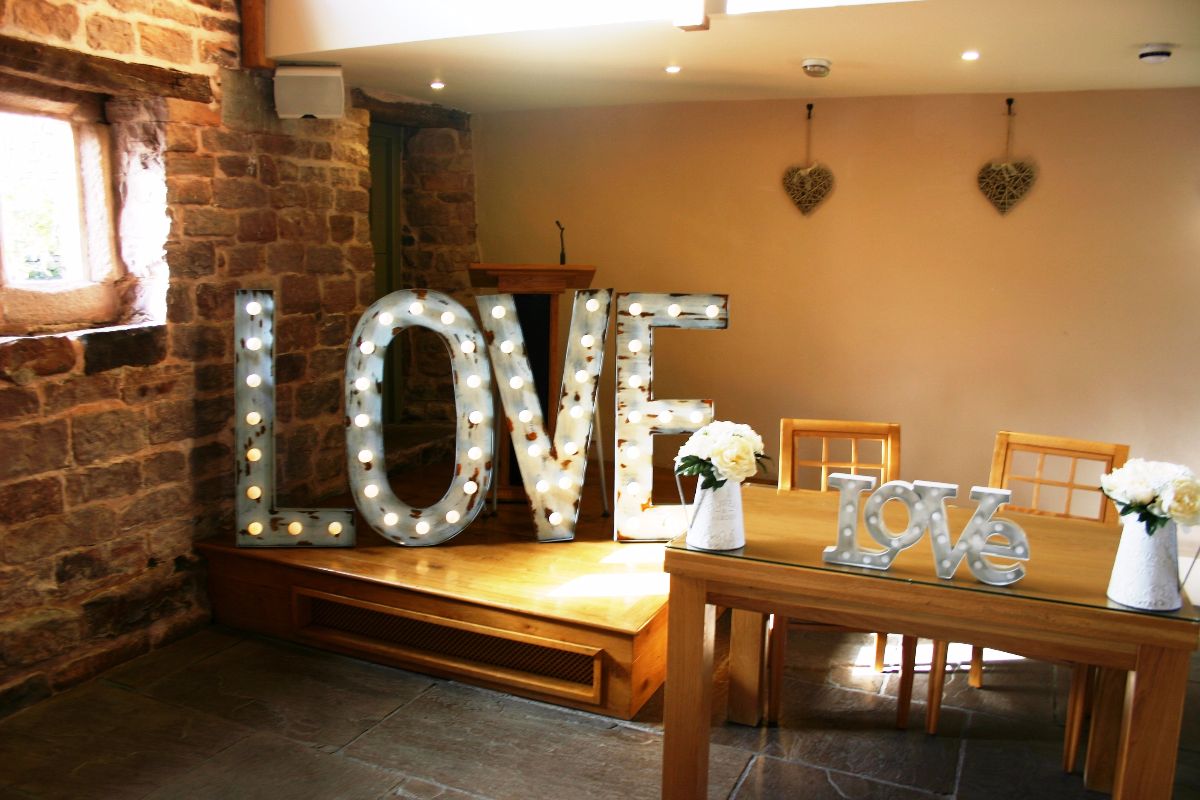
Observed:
{"x":894,"y":49}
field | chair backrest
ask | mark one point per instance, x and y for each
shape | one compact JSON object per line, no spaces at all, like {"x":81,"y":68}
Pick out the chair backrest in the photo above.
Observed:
{"x":812,"y":449}
{"x":1056,"y":476}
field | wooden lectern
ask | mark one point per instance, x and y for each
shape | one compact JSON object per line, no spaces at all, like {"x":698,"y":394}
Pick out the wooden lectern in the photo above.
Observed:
{"x":536,"y":289}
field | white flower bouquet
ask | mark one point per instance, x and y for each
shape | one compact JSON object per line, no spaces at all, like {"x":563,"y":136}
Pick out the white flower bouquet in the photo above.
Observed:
{"x":1158,"y":492}
{"x":720,"y":452}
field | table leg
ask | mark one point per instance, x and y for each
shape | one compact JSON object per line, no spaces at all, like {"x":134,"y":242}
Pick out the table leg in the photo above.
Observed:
{"x":1104,"y":734}
{"x":688,"y":702}
{"x":908,"y":665}
{"x":1150,"y":729}
{"x":747,"y":638}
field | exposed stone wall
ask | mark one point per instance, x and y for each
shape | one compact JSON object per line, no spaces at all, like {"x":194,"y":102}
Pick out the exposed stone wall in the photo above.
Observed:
{"x":194,"y":35}
{"x":438,"y":244}
{"x":116,"y":446}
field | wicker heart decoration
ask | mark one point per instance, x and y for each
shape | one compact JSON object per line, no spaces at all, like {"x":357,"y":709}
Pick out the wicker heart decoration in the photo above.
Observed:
{"x":808,"y":186}
{"x":1005,"y":184}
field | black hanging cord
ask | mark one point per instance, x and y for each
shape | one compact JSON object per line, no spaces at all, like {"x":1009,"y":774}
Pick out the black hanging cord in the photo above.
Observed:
{"x":562,"y":245}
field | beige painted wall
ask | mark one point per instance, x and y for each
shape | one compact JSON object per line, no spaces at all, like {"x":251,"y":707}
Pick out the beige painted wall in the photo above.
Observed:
{"x":906,"y":296}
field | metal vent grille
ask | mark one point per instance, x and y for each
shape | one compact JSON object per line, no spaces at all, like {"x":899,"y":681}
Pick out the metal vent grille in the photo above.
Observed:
{"x":429,"y":637}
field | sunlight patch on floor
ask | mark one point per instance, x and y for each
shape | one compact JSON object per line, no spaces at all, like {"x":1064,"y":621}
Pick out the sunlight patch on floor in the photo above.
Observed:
{"x":957,"y":654}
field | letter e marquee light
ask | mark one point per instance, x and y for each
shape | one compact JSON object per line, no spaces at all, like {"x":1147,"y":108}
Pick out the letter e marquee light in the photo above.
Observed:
{"x":640,"y":415}
{"x":260,"y":523}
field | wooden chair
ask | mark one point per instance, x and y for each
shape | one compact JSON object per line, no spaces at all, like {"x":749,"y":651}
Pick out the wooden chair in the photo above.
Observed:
{"x":810,"y":450}
{"x":1057,"y":477}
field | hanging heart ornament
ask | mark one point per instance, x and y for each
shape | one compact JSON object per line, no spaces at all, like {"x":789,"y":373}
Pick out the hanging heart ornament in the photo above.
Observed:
{"x":1005,"y":184}
{"x":808,"y":186}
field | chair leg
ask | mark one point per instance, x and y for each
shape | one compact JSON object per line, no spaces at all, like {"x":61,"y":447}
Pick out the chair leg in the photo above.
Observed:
{"x":908,"y":665}
{"x":880,"y":650}
{"x":975,"y":677}
{"x":776,"y":656}
{"x":1077,"y":697}
{"x":937,"y":681}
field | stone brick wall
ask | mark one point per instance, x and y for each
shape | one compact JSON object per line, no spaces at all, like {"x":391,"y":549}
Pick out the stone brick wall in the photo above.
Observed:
{"x":115,"y":446}
{"x":438,"y":243}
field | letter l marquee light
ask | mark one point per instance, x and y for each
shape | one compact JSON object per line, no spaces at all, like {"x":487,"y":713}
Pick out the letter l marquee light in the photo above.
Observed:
{"x":260,"y":523}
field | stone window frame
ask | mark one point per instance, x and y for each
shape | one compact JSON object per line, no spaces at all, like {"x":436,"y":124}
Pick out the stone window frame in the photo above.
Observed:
{"x":32,"y":69}
{"x":95,"y":298}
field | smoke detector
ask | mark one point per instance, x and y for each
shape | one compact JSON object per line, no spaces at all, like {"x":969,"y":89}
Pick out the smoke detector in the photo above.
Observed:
{"x":816,"y":67}
{"x":1154,"y":53}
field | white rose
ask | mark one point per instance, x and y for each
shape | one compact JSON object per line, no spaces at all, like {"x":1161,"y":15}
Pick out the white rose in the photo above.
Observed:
{"x":734,"y":459}
{"x":1181,"y":501}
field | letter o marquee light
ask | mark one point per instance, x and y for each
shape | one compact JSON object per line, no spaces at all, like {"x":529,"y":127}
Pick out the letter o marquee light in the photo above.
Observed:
{"x":472,"y":378}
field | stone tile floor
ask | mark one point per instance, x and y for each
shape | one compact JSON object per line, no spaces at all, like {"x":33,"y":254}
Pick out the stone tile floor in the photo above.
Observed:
{"x":228,"y":715}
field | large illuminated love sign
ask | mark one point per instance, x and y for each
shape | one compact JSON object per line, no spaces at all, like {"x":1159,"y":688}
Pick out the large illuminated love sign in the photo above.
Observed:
{"x":552,"y":468}
{"x":926,"y":504}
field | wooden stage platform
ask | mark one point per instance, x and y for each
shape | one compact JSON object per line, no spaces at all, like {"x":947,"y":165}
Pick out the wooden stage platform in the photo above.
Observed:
{"x":581,"y":624}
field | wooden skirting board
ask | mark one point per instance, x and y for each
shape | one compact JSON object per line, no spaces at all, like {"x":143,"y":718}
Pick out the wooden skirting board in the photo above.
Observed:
{"x":580,"y":624}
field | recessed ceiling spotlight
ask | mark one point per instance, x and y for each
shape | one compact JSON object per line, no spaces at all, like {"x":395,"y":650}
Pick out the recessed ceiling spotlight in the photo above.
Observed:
{"x":437,"y":86}
{"x":970,"y":55}
{"x":1154,"y":53}
{"x":816,"y":67}
{"x":673,"y":69}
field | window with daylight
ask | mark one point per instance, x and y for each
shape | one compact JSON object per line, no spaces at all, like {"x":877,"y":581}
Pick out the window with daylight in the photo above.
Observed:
{"x":58,"y":261}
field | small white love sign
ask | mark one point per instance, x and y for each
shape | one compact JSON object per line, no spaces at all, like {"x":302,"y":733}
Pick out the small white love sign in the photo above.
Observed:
{"x":926,"y":503}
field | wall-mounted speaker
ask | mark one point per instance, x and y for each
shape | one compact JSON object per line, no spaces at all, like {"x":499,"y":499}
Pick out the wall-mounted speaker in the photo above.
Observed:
{"x":309,"y":92}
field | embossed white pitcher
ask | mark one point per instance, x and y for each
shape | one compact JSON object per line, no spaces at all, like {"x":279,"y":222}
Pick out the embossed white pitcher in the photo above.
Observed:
{"x":1146,"y":571}
{"x":716,"y":518}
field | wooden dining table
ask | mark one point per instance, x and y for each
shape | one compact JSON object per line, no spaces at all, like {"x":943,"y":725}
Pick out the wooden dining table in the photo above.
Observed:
{"x":1058,"y":612}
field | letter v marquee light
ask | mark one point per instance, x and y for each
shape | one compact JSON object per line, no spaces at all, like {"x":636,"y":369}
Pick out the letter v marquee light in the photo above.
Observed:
{"x":551,"y":472}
